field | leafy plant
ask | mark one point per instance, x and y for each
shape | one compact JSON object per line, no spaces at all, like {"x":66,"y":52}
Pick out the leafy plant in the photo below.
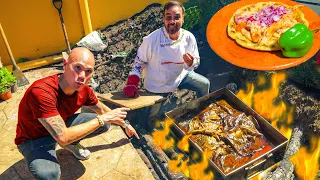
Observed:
{"x":207,"y":8}
{"x":191,"y":18}
{"x":6,"y":80}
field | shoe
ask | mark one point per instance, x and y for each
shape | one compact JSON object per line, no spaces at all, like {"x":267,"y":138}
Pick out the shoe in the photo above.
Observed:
{"x":78,"y":151}
{"x":232,"y":87}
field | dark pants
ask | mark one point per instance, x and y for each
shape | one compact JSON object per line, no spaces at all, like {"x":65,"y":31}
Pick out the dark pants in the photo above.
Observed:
{"x":40,"y":153}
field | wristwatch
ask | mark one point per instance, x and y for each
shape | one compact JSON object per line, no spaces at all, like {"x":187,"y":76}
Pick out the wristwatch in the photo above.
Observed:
{"x":126,"y":123}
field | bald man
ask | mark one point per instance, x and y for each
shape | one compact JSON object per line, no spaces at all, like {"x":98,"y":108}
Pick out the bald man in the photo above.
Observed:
{"x":46,"y":116}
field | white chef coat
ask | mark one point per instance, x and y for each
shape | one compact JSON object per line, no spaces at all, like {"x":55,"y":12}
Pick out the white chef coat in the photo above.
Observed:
{"x":160,"y":60}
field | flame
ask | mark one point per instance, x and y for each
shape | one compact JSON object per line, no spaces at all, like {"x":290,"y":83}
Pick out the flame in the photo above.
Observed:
{"x":261,"y":81}
{"x":306,"y":161}
{"x":197,"y":171}
{"x":161,"y":137}
{"x":265,"y":102}
{"x":258,"y":177}
{"x":194,"y":171}
{"x":184,"y":144}
{"x":247,"y":97}
{"x":179,"y":165}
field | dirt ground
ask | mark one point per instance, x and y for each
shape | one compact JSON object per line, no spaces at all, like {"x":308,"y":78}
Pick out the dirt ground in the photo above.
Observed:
{"x":124,"y":38}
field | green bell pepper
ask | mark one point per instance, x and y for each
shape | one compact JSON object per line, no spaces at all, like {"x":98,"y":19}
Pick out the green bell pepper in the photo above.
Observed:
{"x":296,"y":41}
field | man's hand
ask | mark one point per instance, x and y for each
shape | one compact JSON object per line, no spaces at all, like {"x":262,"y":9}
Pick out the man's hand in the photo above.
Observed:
{"x":130,"y":131}
{"x":116,"y":116}
{"x":188,"y":59}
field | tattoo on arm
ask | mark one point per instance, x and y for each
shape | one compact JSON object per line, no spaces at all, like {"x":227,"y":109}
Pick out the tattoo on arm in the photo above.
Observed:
{"x":55,"y":125}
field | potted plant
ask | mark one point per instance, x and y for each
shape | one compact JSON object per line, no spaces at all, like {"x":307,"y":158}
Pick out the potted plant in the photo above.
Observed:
{"x":6,"y":81}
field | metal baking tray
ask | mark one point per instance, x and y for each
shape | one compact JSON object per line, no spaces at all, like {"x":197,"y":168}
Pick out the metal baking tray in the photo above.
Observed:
{"x":251,"y":168}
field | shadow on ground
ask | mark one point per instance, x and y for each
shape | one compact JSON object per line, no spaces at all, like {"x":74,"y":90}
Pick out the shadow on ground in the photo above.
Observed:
{"x":71,"y":168}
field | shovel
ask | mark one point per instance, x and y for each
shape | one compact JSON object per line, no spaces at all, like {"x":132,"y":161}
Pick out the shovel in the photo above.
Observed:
{"x":58,"y":5}
{"x":16,"y":71}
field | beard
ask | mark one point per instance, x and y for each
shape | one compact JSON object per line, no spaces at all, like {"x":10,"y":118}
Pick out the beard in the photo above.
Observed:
{"x":172,"y":29}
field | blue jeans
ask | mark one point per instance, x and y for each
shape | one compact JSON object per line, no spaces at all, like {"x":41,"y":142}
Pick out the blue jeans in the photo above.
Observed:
{"x":40,"y":153}
{"x":195,"y":82}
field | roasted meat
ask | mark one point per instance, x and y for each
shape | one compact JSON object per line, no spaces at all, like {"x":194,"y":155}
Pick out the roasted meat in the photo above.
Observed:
{"x":228,"y":132}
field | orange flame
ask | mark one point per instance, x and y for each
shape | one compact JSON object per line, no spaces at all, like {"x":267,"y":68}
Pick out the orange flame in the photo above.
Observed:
{"x":261,"y":81}
{"x":184,"y":144}
{"x":258,"y":177}
{"x":306,"y":161}
{"x":264,"y":100}
{"x":264,"y":103}
{"x":247,"y":97}
{"x":161,"y":137}
{"x":179,"y":165}
{"x":195,"y":171}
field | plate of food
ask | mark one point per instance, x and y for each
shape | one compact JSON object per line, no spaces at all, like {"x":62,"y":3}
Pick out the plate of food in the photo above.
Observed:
{"x":264,"y":35}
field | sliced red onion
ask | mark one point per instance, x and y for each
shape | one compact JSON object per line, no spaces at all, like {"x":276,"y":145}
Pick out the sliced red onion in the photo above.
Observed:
{"x":276,"y":18}
{"x":266,"y":16}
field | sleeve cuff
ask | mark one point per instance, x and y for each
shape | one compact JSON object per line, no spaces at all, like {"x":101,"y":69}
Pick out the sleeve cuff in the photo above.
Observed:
{"x":134,"y":73}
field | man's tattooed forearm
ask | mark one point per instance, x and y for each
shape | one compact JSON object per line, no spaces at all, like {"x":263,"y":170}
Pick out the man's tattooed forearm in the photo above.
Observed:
{"x":54,"y":125}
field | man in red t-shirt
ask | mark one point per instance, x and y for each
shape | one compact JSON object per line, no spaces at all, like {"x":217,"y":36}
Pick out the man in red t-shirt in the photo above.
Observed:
{"x":46,"y":116}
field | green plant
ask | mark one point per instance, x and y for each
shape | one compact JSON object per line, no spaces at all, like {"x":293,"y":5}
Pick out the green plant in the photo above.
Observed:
{"x":6,"y":80}
{"x":207,"y":8}
{"x":192,"y":17}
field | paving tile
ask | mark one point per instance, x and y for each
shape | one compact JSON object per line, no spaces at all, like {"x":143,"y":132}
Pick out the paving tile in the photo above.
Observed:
{"x":9,"y":153}
{"x":2,"y":106}
{"x":116,"y":175}
{"x":11,"y":110}
{"x":3,"y":120}
{"x":126,"y":166}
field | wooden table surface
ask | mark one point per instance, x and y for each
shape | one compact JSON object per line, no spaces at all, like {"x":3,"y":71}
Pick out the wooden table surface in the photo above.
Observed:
{"x":119,"y":99}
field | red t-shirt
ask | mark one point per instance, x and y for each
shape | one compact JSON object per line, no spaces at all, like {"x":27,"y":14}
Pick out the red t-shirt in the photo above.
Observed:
{"x":43,"y":99}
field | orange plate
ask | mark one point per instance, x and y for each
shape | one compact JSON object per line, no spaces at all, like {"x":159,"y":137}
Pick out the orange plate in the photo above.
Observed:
{"x":230,"y":51}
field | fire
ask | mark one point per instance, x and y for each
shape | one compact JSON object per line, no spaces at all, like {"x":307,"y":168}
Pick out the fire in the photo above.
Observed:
{"x":306,"y":160}
{"x":247,"y":97}
{"x":183,"y":144}
{"x":161,"y":138}
{"x":179,"y":165}
{"x":195,"y":171}
{"x":261,"y":81}
{"x":265,"y":102}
